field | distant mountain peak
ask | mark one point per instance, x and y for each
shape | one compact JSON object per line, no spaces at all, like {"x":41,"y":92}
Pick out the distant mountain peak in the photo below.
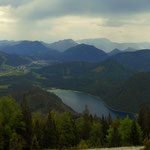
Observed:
{"x":84,"y":52}
{"x":85,"y":45}
{"x":62,"y":45}
{"x":31,"y":42}
{"x":130,"y":49}
{"x":114,"y":52}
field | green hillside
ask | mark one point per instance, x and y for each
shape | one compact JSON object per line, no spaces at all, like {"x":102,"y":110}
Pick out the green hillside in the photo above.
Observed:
{"x":13,"y":60}
{"x":40,"y":100}
{"x":139,"y":60}
{"x":134,"y":92}
{"x":94,"y":78}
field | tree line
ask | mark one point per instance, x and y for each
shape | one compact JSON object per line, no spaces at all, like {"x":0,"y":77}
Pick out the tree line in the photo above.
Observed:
{"x":22,"y":130}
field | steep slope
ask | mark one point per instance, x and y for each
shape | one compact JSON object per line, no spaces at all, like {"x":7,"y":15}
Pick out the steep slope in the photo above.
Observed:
{"x":139,"y":60}
{"x":62,"y":45}
{"x":41,"y":100}
{"x":84,"y":52}
{"x":134,"y":92}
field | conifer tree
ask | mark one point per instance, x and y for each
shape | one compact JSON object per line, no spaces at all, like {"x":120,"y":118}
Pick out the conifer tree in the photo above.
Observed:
{"x":27,"y":119}
{"x":38,"y":131}
{"x":109,"y":119}
{"x":86,"y":128}
{"x":136,"y":134}
{"x":62,"y":142}
{"x":16,"y":142}
{"x":114,"y":138}
{"x":35,"y":144}
{"x":144,"y":120}
{"x":50,"y":137}
{"x":105,"y":127}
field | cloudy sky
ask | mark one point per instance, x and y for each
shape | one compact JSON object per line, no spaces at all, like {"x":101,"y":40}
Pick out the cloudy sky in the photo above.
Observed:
{"x":51,"y":20}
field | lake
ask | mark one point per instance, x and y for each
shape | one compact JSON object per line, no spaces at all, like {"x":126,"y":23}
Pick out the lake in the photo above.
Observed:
{"x":78,"y":100}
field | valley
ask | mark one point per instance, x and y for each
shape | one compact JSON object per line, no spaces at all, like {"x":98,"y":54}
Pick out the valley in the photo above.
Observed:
{"x":82,"y":68}
{"x":82,"y":89}
{"x":74,"y":75}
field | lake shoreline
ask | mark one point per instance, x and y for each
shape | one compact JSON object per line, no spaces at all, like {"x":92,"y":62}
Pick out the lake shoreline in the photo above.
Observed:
{"x":96,"y":97}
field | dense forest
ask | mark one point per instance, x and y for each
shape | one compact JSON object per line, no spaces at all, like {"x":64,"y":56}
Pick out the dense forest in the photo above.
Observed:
{"x":106,"y":80}
{"x":21,"y":129}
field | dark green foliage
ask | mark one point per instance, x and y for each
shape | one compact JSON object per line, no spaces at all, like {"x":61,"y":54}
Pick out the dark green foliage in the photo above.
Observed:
{"x":40,"y":100}
{"x":96,"y":135}
{"x":135,"y":134}
{"x":105,"y":127}
{"x":138,"y":60}
{"x":50,"y":138}
{"x":144,"y":120}
{"x":87,"y":123}
{"x":114,"y":138}
{"x":62,"y":142}
{"x":35,"y":144}
{"x":125,"y":131}
{"x":27,"y":119}
{"x":13,"y":60}
{"x":65,"y":128}
{"x":38,"y":128}
{"x":135,"y":91}
{"x":16,"y":142}
{"x":61,"y":130}
{"x":147,"y":144}
{"x":95,"y":78}
{"x":106,"y":80}
{"x":11,"y":124}
{"x":109,"y":119}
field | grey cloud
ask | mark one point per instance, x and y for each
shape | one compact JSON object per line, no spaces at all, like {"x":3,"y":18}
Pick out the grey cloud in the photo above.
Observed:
{"x":14,"y":3}
{"x":114,"y":23}
{"x":40,"y":9}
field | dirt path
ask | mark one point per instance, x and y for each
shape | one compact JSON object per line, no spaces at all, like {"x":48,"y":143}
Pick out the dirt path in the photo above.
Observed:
{"x":120,"y":148}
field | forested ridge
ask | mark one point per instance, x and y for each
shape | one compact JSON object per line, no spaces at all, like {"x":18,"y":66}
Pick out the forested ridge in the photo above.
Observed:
{"x":21,"y":129}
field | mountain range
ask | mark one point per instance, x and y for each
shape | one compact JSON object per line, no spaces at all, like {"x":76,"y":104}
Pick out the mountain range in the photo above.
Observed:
{"x":120,"y":78}
{"x":108,"y":45}
{"x":138,"y":60}
{"x":37,"y":49}
{"x":100,"y":43}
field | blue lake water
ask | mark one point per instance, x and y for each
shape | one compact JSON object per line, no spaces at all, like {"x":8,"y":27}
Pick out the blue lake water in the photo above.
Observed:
{"x":77,"y":101}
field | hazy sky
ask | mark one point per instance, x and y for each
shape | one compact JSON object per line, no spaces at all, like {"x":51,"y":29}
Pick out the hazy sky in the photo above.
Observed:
{"x":51,"y":20}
